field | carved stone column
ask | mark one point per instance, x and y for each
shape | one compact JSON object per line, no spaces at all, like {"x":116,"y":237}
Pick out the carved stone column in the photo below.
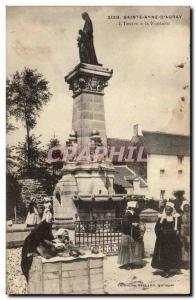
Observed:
{"x":87,"y":83}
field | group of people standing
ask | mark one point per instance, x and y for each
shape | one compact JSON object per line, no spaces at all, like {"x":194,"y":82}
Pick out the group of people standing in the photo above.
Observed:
{"x":172,"y":246}
{"x":33,"y":216}
{"x":171,"y":250}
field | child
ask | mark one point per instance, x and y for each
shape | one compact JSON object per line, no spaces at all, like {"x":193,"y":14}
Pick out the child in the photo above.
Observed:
{"x":64,"y":246}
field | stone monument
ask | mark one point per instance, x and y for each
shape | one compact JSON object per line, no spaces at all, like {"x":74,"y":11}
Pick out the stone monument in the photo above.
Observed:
{"x":86,"y":187}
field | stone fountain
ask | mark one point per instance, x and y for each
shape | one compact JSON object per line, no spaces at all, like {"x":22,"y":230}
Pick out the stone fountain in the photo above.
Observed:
{"x":85,"y":190}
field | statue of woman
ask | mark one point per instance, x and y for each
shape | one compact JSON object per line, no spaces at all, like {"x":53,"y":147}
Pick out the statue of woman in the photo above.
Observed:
{"x":85,"y":42}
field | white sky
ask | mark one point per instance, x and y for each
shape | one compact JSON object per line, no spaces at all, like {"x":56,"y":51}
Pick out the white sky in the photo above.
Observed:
{"x":146,"y":86}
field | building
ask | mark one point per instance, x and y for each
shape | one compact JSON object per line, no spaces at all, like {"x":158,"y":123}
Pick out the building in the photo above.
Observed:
{"x":166,"y":171}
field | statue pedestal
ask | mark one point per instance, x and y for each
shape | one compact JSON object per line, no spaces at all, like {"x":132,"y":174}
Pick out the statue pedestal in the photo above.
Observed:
{"x":86,"y":188}
{"x":87,"y":83}
{"x":85,"y":182}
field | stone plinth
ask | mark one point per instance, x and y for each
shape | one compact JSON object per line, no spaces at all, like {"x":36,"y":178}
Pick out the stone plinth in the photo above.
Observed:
{"x":81,"y":179}
{"x":87,"y":83}
{"x":88,"y":178}
{"x":67,"y":275}
{"x":64,"y":207}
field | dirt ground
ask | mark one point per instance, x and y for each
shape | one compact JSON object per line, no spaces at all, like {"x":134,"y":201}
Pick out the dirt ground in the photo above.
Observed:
{"x":116,"y":281}
{"x":142,"y":281}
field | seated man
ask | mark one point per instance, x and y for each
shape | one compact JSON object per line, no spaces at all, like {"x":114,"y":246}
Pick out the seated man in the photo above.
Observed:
{"x":39,"y":241}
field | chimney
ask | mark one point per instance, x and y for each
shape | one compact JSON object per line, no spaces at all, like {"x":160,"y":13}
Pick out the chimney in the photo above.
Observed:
{"x":137,"y":130}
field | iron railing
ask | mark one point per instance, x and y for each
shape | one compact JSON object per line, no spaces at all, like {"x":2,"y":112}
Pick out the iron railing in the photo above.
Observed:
{"x":104,"y":234}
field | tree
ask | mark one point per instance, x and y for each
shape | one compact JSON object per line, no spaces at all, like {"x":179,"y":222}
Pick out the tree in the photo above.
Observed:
{"x":54,"y":166}
{"x":27,"y":93}
{"x":36,"y":154}
{"x":14,"y":202}
{"x":9,"y":108}
{"x":10,"y":158}
{"x":11,"y":163}
{"x":53,"y":143}
{"x":38,"y":167}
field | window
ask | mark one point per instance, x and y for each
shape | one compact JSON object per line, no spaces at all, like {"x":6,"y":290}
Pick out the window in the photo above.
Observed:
{"x":180,"y":158}
{"x":162,"y":193}
{"x":179,"y":171}
{"x":162,"y":171}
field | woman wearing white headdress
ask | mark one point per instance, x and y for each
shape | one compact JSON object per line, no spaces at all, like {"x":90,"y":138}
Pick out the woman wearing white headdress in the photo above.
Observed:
{"x":167,"y":252}
{"x":47,"y":206}
{"x":185,"y":233}
{"x":33,"y":216}
{"x":131,"y":248}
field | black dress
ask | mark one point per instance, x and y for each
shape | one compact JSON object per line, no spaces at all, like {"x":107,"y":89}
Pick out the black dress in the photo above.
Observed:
{"x":130,"y":250}
{"x":87,"y":50}
{"x":167,"y":252}
{"x":43,"y":231}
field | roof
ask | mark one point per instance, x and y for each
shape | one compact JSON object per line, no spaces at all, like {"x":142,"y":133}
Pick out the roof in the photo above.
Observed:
{"x":166,"y":143}
{"x":119,"y":176}
{"x":123,"y":175}
{"x":99,"y":198}
{"x":118,"y":142}
{"x":157,"y":143}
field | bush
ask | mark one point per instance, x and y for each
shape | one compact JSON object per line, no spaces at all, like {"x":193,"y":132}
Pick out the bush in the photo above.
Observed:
{"x":13,"y":199}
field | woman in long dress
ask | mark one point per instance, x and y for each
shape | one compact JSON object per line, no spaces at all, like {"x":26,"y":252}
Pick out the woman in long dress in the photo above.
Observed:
{"x":85,"y":42}
{"x":185,"y":234}
{"x":131,"y":248}
{"x":47,"y":206}
{"x":167,"y":252}
{"x":38,"y":241}
{"x":32,"y":216}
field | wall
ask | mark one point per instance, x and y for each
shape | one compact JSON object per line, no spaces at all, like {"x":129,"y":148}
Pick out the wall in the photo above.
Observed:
{"x":138,"y":190}
{"x":170,"y":180}
{"x":32,"y":188}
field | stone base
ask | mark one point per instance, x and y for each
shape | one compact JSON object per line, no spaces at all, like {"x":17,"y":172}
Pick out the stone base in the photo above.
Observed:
{"x":66,"y":276}
{"x":91,"y":182}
